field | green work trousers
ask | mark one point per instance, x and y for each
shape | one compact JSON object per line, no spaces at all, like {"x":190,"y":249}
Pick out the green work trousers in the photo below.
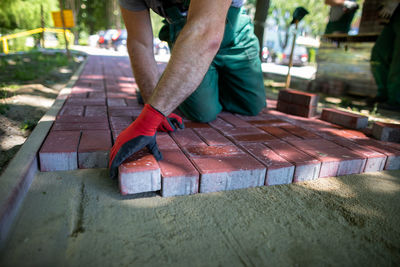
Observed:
{"x":234,"y":81}
{"x":343,"y":25}
{"x":385,"y":60}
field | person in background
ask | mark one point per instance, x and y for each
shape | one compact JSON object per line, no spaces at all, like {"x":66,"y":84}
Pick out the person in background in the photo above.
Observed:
{"x":341,"y":15}
{"x":385,"y":58}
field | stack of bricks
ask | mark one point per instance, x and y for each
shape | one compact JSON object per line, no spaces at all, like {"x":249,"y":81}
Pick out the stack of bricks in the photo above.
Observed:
{"x":232,"y":152}
{"x":297,"y":103}
{"x":386,"y":131}
{"x":343,"y":118}
{"x":370,"y":22}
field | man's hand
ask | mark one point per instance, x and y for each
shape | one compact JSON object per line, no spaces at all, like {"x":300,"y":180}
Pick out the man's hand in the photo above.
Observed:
{"x":171,"y":123}
{"x":141,"y":133}
{"x":350,"y":6}
{"x":388,"y":9}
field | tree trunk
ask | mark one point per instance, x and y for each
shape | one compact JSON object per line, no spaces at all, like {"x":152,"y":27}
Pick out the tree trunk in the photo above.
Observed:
{"x":109,"y":14}
{"x":260,"y":17}
{"x":74,"y":5}
{"x":117,"y":15}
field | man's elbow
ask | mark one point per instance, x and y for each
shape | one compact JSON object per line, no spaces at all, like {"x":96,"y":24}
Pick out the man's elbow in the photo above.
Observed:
{"x":334,"y":2}
{"x":214,"y":42}
{"x":212,"y":37}
{"x":134,"y":47}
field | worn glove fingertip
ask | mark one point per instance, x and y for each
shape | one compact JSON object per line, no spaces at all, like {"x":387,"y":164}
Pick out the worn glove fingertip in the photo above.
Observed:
{"x":155,"y":151}
{"x":113,"y":172}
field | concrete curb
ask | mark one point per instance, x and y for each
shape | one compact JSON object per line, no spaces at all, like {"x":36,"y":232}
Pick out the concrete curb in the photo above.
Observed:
{"x":18,"y":176}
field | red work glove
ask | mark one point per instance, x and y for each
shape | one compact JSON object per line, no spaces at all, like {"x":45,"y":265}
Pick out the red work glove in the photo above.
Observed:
{"x":171,"y":123}
{"x":141,"y":133}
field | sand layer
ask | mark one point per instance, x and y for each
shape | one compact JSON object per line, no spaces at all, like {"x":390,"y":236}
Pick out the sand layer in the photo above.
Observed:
{"x":79,"y":219}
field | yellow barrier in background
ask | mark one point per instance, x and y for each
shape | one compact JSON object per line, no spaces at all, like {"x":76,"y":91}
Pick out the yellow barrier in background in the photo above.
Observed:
{"x":5,"y":38}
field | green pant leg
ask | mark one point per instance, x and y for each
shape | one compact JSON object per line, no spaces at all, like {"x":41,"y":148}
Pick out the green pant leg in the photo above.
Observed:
{"x":381,"y":60}
{"x":342,"y":25}
{"x":241,"y":80}
{"x":203,"y":104}
{"x":242,"y":85}
{"x":393,"y":80}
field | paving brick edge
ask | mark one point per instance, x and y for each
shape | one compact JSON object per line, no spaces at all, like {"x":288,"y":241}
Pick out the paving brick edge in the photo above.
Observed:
{"x":19,"y":174}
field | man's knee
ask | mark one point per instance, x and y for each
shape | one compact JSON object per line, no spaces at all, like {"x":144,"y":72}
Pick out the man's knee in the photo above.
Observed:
{"x":205,"y":113}
{"x":256,"y":106}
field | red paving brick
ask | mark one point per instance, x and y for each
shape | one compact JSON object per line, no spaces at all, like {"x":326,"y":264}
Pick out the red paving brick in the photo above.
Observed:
{"x":94,"y":148}
{"x":335,"y":159}
{"x":306,"y":166}
{"x":69,"y":110}
{"x":279,"y":133}
{"x":343,"y":118}
{"x":81,"y":119}
{"x":124,"y":111}
{"x":242,"y":131}
{"x":120,"y":123}
{"x":187,"y":138}
{"x":234,"y":120}
{"x":297,"y":110}
{"x":116,"y":102}
{"x":97,"y":95}
{"x":94,"y":111}
{"x":86,"y":102}
{"x":298,"y":97}
{"x":72,"y":126}
{"x":393,"y":155}
{"x":59,"y":151}
{"x":232,"y":152}
{"x":375,"y":161}
{"x":139,"y":173}
{"x":220,"y":124}
{"x":297,"y":103}
{"x":300,"y":132}
{"x":386,"y":131}
{"x":225,"y":168}
{"x":253,"y":138}
{"x":190,"y":124}
{"x":279,"y":170}
{"x":270,"y":123}
{"x":178,"y":175}
{"x":212,"y":137}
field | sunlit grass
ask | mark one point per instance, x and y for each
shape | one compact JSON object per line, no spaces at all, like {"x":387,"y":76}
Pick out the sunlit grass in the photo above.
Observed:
{"x":30,"y":66}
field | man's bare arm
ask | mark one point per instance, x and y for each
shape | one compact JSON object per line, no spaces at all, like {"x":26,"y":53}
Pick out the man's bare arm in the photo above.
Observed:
{"x":334,"y":2}
{"x":140,"y":49}
{"x":193,"y":52}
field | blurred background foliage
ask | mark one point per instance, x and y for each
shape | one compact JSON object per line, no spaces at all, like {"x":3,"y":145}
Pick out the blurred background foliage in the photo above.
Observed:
{"x":92,"y":16}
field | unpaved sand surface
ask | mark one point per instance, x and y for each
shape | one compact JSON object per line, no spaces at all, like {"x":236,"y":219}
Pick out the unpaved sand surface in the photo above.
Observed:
{"x":79,"y":219}
{"x":26,"y":105}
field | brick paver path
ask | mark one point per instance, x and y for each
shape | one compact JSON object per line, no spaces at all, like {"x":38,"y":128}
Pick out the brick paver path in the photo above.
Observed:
{"x":229,"y":153}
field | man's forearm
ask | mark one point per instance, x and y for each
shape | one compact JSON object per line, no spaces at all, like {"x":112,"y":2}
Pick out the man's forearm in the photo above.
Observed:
{"x":193,"y":52}
{"x":334,"y":2}
{"x":144,"y":68}
{"x":190,"y":60}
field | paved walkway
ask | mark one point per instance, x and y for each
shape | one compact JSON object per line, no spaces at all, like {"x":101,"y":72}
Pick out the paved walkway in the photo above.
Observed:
{"x":80,"y":218}
{"x":232,"y":152}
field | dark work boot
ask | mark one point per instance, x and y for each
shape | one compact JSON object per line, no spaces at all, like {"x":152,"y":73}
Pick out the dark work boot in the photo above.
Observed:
{"x":377,"y":99}
{"x":389,"y":106}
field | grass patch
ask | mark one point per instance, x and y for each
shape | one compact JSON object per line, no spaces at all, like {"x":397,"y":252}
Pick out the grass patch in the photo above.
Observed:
{"x":28,"y":125}
{"x":32,"y":66}
{"x":4,"y":108}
